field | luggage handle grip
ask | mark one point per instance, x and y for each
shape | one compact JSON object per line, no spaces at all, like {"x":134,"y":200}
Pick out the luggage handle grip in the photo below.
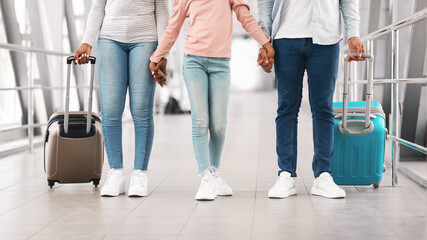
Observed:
{"x":339,"y":116}
{"x":70,"y":59}
{"x":369,"y":87}
{"x":354,"y":54}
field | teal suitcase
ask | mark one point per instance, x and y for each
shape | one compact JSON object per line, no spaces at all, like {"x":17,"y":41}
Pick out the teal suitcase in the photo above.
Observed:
{"x":359,"y":137}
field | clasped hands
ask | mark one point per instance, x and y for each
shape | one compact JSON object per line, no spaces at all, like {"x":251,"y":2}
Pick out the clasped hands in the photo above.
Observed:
{"x":266,"y":57}
{"x":158,"y":70}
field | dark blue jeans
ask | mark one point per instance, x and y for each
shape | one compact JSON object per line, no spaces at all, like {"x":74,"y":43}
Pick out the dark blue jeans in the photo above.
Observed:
{"x":293,"y":57}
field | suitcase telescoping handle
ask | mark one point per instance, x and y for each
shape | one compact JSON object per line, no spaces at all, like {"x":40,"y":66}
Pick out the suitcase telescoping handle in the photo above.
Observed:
{"x":70,"y":60}
{"x":370,"y":59}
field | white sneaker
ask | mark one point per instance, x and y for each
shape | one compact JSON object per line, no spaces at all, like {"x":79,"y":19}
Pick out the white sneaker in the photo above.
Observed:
{"x":222,"y":188}
{"x":285,"y":186}
{"x":325,"y":186}
{"x":115,"y":184}
{"x":207,"y":186}
{"x":138,"y":184}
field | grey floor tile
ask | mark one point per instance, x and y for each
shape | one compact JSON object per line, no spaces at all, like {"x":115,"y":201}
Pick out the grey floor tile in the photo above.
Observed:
{"x":8,"y":219}
{"x":65,"y":235}
{"x":19,"y":229}
{"x":139,"y":237}
{"x":149,"y":226}
{"x":15,"y":236}
{"x":213,"y":237}
{"x":209,"y":226}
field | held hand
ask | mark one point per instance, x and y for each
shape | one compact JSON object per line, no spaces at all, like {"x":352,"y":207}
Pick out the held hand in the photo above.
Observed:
{"x":82,"y":54}
{"x":270,"y":50}
{"x":355,"y":45}
{"x":263,"y":60}
{"x":158,"y":70}
{"x":270,"y":54}
{"x":262,"y":57}
{"x":266,"y":57}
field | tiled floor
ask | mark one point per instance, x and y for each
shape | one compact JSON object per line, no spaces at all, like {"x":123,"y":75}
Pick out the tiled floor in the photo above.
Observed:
{"x":30,"y":210}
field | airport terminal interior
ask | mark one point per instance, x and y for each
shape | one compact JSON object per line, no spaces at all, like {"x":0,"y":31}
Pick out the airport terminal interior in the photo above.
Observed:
{"x":36,"y":37}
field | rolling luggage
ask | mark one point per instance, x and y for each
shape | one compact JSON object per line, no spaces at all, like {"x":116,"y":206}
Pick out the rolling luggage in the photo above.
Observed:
{"x":73,"y":148}
{"x":359,"y":136}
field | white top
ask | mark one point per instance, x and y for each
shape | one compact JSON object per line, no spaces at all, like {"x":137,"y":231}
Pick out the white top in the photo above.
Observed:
{"x":127,"y":21}
{"x":296,"y":18}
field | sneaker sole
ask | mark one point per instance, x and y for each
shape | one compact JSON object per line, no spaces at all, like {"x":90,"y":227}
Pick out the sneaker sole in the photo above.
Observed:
{"x":224,"y":194}
{"x":317,"y":192}
{"x":110,"y":194}
{"x":137,"y":194}
{"x":285,"y":195}
{"x":205,"y":199}
{"x":209,"y":198}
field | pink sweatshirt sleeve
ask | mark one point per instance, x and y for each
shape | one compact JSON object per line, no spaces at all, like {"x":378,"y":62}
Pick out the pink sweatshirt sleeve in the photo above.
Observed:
{"x":172,"y":31}
{"x":248,"y":22}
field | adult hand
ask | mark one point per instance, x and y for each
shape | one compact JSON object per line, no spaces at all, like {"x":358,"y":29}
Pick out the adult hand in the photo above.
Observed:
{"x":355,"y":45}
{"x":270,"y":51}
{"x":158,"y":70}
{"x":266,"y":57}
{"x":81,"y":56}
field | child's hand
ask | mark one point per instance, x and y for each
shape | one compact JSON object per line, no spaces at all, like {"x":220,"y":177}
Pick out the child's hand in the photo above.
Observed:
{"x":266,"y":57}
{"x":158,"y":70}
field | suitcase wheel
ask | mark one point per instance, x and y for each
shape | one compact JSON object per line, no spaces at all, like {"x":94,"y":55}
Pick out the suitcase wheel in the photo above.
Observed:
{"x":51,"y":183}
{"x":95,"y":182}
{"x":376,"y":185}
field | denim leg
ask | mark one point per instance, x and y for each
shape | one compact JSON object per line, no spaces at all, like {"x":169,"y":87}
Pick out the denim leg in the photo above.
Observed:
{"x":112,"y":60}
{"x":141,"y":95}
{"x":219,"y":86}
{"x":196,"y":80}
{"x":322,"y":67}
{"x":289,"y":69}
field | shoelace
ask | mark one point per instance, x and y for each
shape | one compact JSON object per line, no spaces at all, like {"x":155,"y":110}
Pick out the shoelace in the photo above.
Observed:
{"x":137,"y":179}
{"x":205,"y":183}
{"x":282,"y":180}
{"x":110,"y":175}
{"x":220,"y":180}
{"x":327,"y":181}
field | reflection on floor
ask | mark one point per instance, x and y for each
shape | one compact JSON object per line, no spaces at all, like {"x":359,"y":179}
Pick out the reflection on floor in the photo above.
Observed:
{"x":30,"y":210}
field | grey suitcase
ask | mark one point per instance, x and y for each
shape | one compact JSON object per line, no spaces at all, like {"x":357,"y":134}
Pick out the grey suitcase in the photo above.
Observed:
{"x":73,"y":148}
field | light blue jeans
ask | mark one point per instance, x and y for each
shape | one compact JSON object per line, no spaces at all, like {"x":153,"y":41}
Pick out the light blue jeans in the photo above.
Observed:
{"x":208,"y":83}
{"x":123,"y":65}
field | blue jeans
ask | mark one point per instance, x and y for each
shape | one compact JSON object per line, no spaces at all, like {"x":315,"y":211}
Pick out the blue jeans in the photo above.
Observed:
{"x":208,"y":83}
{"x":293,"y":57}
{"x":123,"y":65}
